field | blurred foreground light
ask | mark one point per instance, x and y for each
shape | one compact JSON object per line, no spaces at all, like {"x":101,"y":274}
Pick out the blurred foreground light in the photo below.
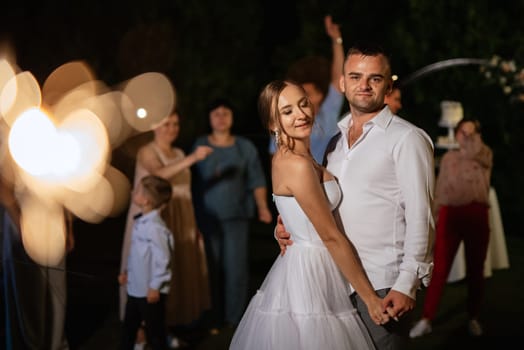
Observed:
{"x":90,"y":134}
{"x":73,"y":154}
{"x":64,"y":79}
{"x":147,"y":99}
{"x":141,"y":113}
{"x":107,"y":109}
{"x":32,"y":142}
{"x":109,"y":198}
{"x":19,"y":94}
{"x":7,"y":72}
{"x":43,"y":226}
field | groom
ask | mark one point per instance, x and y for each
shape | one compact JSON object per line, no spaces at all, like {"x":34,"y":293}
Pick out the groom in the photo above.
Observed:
{"x":384,"y":165}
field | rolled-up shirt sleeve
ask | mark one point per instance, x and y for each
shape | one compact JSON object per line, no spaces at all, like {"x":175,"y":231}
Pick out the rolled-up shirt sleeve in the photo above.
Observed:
{"x":416,"y":177}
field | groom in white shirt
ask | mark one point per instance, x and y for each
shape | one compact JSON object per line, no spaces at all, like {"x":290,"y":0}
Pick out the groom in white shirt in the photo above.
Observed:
{"x":384,"y":165}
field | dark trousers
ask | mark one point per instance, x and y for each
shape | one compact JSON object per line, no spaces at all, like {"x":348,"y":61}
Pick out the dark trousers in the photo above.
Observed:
{"x":138,"y":310}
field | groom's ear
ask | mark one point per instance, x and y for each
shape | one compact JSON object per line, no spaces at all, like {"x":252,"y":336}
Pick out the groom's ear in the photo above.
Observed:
{"x":389,"y":88}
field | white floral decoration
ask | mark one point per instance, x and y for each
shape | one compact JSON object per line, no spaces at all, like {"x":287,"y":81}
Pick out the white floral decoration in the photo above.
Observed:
{"x":507,"y":75}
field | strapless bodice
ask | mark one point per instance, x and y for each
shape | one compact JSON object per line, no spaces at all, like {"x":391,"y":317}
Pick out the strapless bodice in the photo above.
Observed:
{"x":296,"y":221}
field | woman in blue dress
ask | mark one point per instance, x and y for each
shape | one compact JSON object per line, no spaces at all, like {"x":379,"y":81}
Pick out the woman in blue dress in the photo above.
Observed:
{"x":228,"y":184}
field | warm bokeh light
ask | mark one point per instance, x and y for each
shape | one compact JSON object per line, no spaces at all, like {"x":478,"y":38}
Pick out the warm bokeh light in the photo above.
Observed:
{"x":141,"y":113}
{"x":67,"y":155}
{"x":89,"y":133}
{"x":20,"y":93}
{"x":32,"y":128}
{"x":64,"y":79}
{"x":107,"y":109}
{"x":91,"y":206}
{"x":43,"y":226}
{"x":153,"y":94}
{"x":108,"y":198}
{"x":61,"y":142}
{"x":7,"y":72}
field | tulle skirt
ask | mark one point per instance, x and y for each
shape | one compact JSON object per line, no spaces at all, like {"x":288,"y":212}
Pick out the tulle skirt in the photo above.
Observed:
{"x":303,"y":303}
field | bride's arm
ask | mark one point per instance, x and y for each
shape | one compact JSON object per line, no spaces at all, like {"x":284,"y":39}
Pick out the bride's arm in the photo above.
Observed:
{"x":305,"y":186}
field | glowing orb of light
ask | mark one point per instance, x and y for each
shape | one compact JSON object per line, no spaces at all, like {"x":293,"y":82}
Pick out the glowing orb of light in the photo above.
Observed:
{"x":151,"y":92}
{"x":141,"y":113}
{"x":29,"y":141}
{"x":69,"y":156}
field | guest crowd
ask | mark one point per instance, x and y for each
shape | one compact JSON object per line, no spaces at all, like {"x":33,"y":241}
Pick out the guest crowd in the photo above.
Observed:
{"x":184,"y":259}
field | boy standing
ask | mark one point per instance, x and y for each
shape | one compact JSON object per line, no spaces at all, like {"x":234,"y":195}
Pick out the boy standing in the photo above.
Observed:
{"x":148,"y":268}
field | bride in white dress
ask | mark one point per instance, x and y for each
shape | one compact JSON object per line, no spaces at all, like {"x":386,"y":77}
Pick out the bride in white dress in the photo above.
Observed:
{"x":304,"y":301}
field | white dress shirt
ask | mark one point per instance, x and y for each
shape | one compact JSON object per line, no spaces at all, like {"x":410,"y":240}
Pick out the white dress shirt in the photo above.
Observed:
{"x":149,"y":260}
{"x":387,"y":181}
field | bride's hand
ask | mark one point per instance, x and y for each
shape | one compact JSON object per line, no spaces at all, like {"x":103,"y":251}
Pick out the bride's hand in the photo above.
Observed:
{"x":376,"y":311}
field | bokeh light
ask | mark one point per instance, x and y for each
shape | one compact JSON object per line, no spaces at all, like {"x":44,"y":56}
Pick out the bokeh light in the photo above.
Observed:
{"x":150,"y":95}
{"x":60,"y":140}
{"x":43,"y":226}
{"x":19,"y":94}
{"x":33,"y":128}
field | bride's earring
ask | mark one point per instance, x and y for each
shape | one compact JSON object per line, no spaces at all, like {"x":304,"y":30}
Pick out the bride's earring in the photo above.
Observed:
{"x":277,"y":137}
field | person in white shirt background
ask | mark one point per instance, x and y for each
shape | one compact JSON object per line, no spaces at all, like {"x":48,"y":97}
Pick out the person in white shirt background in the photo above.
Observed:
{"x":148,"y":272}
{"x":384,"y":165}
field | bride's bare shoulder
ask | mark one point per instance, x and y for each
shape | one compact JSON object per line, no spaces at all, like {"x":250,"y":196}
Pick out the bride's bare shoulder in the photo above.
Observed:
{"x":288,"y":161}
{"x":289,"y":166}
{"x":288,"y":169}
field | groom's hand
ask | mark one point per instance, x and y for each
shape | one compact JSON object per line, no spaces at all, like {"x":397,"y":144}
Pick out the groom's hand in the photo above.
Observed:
{"x":283,"y":237}
{"x":397,"y":304}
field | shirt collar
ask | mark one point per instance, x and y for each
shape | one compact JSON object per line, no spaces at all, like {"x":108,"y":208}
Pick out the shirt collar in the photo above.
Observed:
{"x":382,"y":119}
{"x":146,"y":217}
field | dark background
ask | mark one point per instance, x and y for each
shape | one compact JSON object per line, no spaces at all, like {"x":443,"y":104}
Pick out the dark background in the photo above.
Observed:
{"x":233,"y":47}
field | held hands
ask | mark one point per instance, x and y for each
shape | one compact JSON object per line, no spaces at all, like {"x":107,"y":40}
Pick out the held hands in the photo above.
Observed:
{"x":377,"y":311}
{"x":397,"y":304}
{"x":283,"y":237}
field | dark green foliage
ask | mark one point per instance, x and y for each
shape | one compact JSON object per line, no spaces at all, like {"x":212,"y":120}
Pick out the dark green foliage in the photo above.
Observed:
{"x":233,"y":47}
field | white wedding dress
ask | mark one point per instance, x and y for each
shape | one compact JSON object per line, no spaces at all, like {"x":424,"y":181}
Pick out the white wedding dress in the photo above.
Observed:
{"x":303,"y":302}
